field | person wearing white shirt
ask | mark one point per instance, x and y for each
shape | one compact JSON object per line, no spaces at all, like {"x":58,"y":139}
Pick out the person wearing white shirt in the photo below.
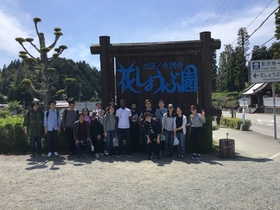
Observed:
{"x":123,"y":115}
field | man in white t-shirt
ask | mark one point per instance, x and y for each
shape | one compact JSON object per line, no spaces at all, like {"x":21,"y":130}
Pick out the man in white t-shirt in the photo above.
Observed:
{"x":123,"y":115}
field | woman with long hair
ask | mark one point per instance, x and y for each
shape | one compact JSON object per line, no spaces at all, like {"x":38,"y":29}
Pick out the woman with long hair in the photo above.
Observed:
{"x":180,"y":122}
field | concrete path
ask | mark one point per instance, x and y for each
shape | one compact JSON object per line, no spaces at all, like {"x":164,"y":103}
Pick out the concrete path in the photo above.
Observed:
{"x":251,"y":144}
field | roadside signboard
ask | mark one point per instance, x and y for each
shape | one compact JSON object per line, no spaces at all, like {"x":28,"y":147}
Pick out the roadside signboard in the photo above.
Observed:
{"x":265,"y":70}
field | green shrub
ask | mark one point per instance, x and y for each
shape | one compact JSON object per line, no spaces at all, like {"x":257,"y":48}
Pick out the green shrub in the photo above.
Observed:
{"x":235,"y":122}
{"x":13,"y":139}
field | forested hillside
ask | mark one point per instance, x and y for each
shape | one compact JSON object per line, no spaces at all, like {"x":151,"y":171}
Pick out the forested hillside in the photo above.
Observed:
{"x":87,"y":80}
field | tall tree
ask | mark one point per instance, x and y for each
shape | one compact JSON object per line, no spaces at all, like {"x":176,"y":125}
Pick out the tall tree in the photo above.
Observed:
{"x":261,"y":53}
{"x":39,"y":72}
{"x":277,"y":23}
{"x":227,"y":64}
{"x":241,"y":71}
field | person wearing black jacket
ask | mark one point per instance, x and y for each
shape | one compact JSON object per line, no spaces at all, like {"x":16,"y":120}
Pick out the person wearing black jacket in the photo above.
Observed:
{"x":152,"y":131}
{"x":97,"y":133}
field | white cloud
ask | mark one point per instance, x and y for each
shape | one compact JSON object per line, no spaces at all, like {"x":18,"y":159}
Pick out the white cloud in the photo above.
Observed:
{"x":82,"y":53}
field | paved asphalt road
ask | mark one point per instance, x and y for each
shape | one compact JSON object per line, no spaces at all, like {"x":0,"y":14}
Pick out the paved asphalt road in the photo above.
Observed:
{"x":261,"y":123}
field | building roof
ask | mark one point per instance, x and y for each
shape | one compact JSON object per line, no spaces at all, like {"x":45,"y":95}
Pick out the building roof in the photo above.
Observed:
{"x":255,"y":88}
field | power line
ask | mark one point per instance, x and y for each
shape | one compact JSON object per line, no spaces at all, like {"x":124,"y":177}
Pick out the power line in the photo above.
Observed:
{"x":256,"y":31}
{"x":255,"y":18}
{"x":248,"y":54}
{"x":226,"y":21}
{"x":263,"y":22}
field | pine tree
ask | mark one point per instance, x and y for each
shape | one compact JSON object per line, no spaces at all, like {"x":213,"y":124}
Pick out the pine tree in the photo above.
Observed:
{"x":39,"y":71}
{"x":241,"y":71}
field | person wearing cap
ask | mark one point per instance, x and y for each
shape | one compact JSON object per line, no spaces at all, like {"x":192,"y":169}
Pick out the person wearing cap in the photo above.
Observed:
{"x":167,"y":129}
{"x":111,"y":103}
{"x":97,"y":133}
{"x":34,"y":127}
{"x":52,"y":128}
{"x":196,"y":123}
{"x":152,"y":131}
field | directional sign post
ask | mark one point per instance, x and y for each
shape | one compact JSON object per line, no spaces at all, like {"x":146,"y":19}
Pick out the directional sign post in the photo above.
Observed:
{"x":266,"y":71}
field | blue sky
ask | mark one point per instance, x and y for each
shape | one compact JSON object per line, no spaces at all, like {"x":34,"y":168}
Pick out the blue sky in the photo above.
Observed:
{"x":128,"y":21}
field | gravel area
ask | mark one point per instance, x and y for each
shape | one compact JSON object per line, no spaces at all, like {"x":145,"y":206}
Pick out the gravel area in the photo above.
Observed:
{"x":137,"y":183}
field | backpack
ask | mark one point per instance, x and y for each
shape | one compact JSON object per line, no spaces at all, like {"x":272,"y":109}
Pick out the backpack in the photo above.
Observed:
{"x":57,"y":115}
{"x":66,"y":111}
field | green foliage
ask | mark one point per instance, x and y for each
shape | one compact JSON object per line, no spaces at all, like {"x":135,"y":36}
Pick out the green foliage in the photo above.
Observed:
{"x":20,"y":93}
{"x":20,"y":39}
{"x":235,"y":122}
{"x":2,"y":99}
{"x":226,"y":99}
{"x":29,"y":39}
{"x":277,"y":23}
{"x":14,"y":106}
{"x":4,"y":112}
{"x":12,"y":140}
{"x":207,"y":135}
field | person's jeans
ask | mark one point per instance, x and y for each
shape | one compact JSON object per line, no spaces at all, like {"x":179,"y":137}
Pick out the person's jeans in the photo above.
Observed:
{"x":37,"y":140}
{"x":109,"y":141}
{"x":169,"y":140}
{"x":123,"y":133}
{"x":81,"y":147}
{"x":181,"y":145}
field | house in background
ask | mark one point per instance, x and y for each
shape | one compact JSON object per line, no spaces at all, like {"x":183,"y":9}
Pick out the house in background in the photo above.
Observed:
{"x":255,"y":96}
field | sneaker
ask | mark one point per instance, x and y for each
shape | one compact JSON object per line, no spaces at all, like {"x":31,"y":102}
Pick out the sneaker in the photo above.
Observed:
{"x":182,"y":156}
{"x":49,"y":154}
{"x":55,"y":153}
{"x":101,"y":154}
{"x":96,"y":155}
{"x":198,"y":157}
{"x":194,"y":156}
{"x":179,"y":156}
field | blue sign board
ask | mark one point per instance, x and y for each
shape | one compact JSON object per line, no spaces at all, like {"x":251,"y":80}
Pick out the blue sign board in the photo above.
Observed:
{"x":181,"y":78}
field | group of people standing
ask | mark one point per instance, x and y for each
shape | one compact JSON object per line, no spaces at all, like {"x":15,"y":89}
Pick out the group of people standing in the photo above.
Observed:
{"x":158,"y":129}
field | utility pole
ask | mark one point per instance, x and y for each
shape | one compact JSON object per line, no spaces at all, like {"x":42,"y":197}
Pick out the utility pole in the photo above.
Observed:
{"x":80,"y":93}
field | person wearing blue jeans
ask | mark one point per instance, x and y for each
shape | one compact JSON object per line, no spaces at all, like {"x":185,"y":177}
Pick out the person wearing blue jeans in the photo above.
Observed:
{"x":82,"y":139}
{"x":109,"y":127}
{"x":180,"y":122}
{"x":167,"y":129}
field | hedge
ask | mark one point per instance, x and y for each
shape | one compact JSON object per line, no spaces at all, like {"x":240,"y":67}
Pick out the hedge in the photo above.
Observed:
{"x":235,"y":122}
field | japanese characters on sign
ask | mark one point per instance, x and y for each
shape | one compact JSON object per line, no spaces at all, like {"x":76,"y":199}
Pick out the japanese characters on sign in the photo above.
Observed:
{"x":181,"y":78}
{"x":265,"y":70}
